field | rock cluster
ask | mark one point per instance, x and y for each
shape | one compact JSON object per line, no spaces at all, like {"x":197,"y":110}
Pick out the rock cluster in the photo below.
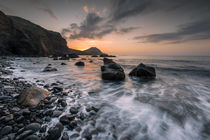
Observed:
{"x":143,"y":71}
{"x":112,"y":70}
{"x":25,"y":109}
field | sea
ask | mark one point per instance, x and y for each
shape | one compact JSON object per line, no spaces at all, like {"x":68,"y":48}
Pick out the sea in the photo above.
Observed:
{"x":174,"y":106}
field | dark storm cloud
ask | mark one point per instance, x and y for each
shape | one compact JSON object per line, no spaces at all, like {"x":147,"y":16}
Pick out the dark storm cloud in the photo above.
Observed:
{"x":92,"y":27}
{"x":122,"y":9}
{"x":199,"y":30}
{"x":127,"y":30}
{"x":50,"y":12}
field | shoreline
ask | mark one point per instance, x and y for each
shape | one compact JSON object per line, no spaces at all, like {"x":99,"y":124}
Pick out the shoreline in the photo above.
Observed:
{"x":20,"y":122}
{"x":72,"y":111}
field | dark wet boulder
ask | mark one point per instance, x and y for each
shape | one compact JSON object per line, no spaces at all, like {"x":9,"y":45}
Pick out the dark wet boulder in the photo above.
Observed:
{"x":32,"y":96}
{"x":32,"y":137}
{"x":65,"y":136}
{"x":49,"y":69}
{"x":143,"y":71}
{"x":57,"y":89}
{"x":63,"y":63}
{"x":66,"y":119}
{"x":33,"y":126}
{"x":112,"y":71}
{"x":55,"y":132}
{"x":24,"y":134}
{"x":5,"y":130}
{"x":80,"y":63}
{"x":73,"y":110}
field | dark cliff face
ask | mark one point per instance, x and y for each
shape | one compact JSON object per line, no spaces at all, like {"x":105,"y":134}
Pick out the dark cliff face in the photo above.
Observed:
{"x":23,"y":38}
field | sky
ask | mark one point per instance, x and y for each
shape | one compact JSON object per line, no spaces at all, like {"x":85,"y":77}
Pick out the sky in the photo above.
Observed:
{"x":138,"y":27}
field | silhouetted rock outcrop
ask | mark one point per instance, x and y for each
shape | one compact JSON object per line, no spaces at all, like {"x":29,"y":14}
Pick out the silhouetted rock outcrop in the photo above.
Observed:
{"x":24,"y":38}
{"x":112,"y":71}
{"x":143,"y":71}
{"x":92,"y":51}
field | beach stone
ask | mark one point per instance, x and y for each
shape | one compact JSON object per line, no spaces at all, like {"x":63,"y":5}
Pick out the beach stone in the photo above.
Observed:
{"x":56,"y":113}
{"x":73,"y":110}
{"x":72,"y":124}
{"x":9,"y":118}
{"x":75,"y":135}
{"x":5,"y":97}
{"x":86,"y":134}
{"x":43,"y":129}
{"x":143,"y":71}
{"x":49,"y":69}
{"x":80,"y":63}
{"x":32,"y":137}
{"x":26,"y":111}
{"x":24,"y":134}
{"x":48,"y":112}
{"x":55,"y":132}
{"x":112,"y":71}
{"x":6,"y":130}
{"x":15,"y":109}
{"x":57,"y":89}
{"x":11,"y":136}
{"x":65,"y":136}
{"x":46,"y":86}
{"x":48,"y":119}
{"x":63,"y":63}
{"x":63,"y":103}
{"x":64,"y":120}
{"x":32,"y":96}
{"x":5,"y":138}
{"x":33,"y":126}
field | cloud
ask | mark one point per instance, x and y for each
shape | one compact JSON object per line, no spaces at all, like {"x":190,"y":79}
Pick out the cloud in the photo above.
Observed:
{"x":92,"y":27}
{"x":126,"y":30}
{"x":122,"y":9}
{"x":198,"y":30}
{"x":50,"y":12}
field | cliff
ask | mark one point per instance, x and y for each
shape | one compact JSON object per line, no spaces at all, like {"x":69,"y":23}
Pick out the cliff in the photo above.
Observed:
{"x":23,"y":38}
